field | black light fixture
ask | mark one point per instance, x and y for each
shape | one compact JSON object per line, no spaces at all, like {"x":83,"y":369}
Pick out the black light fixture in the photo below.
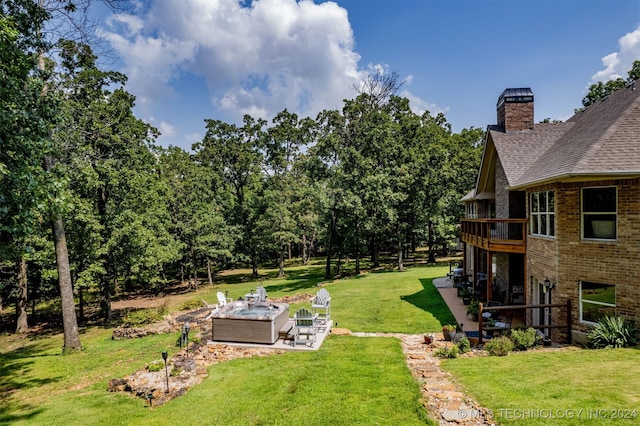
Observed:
{"x":548,"y":285}
{"x":165,"y":355}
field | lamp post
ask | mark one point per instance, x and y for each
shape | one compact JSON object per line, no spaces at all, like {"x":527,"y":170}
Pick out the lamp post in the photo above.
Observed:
{"x":166,"y":372}
{"x":185,"y":336}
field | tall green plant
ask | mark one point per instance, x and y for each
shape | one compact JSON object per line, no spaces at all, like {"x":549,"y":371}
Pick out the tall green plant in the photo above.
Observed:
{"x":612,"y":332}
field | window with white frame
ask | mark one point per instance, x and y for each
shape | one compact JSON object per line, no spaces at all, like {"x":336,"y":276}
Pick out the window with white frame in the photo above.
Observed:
{"x":596,"y":301}
{"x":472,"y":210}
{"x":599,"y":213}
{"x":542,"y":213}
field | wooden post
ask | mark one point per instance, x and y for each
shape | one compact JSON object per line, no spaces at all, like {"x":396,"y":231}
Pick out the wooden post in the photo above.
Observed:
{"x":480,"y":323}
{"x":488,"y":290}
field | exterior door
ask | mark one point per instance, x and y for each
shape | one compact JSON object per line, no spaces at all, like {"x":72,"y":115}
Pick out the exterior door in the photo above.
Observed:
{"x":542,"y":316}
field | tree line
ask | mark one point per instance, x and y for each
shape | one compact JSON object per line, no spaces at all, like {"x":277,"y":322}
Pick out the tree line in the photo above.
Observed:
{"x":91,"y":205}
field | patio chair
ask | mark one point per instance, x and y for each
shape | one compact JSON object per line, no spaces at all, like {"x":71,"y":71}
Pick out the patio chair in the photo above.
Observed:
{"x":261,"y":294}
{"x":208,"y":305}
{"x":222,"y":299}
{"x":304,"y":327}
{"x":321,"y":302}
{"x":214,"y":308}
{"x":505,"y":322}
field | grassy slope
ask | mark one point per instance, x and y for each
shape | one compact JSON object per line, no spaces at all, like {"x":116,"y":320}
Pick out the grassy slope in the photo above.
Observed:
{"x":349,"y":380}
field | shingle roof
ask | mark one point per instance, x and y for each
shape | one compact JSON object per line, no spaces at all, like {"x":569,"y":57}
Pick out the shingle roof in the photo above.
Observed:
{"x":604,"y":139}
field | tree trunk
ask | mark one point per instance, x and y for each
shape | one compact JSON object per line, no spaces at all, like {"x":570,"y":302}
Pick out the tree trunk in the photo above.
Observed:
{"x":375,"y":258}
{"x":400,"y":252}
{"x":311,"y":247}
{"x":357,"y":247}
{"x":304,"y":249}
{"x":105,"y":299}
{"x":69,"y":321}
{"x":254,"y":264}
{"x":209,"y":275}
{"x":431,"y":243}
{"x":195,"y":276}
{"x":281,"y":262}
{"x":81,"y":304}
{"x":22,"y":325}
{"x":332,"y":230}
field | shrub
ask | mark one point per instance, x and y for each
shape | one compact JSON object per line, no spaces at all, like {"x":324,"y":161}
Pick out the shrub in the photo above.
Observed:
{"x":451,"y":352}
{"x":464,"y":346}
{"x":155,"y":366}
{"x":499,"y":346}
{"x":139,"y":317}
{"x":612,"y":332}
{"x":144,"y":316}
{"x":524,"y":339}
{"x":473,"y":309}
{"x":190,"y":305}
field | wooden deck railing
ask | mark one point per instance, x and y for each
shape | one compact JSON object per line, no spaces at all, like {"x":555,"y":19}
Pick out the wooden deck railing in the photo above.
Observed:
{"x":498,"y":235}
{"x":524,"y":308}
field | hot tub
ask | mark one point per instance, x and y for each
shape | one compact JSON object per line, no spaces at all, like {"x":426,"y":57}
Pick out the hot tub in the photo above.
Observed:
{"x":249,"y":322}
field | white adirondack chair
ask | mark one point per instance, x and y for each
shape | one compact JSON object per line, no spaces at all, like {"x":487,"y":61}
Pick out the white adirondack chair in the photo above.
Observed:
{"x":321,"y":305}
{"x":304,"y":327}
{"x":222,"y":299}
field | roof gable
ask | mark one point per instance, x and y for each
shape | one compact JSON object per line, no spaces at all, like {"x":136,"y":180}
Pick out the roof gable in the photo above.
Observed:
{"x":520,"y":151}
{"x":602,"y":140}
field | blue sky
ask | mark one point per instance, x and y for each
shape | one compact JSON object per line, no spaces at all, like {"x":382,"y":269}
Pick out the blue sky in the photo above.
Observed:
{"x":191,"y":60}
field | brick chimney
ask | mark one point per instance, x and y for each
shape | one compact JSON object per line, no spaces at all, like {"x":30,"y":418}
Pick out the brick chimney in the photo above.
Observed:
{"x":515,"y":109}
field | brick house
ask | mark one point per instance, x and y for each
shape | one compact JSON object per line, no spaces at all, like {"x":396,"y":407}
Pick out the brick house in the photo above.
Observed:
{"x":555,"y":214}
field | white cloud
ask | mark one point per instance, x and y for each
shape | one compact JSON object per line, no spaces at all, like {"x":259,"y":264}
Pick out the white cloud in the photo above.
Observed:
{"x":166,"y":129}
{"x":256,"y":59}
{"x":192,"y":138}
{"x":420,"y":106}
{"x":619,"y":63}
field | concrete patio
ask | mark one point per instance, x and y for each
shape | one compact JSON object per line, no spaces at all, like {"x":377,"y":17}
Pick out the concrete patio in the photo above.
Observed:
{"x":285,"y":344}
{"x":457,"y":308}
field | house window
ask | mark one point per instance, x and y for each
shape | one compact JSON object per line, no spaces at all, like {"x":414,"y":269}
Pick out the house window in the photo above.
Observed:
{"x":596,"y":301}
{"x":472,"y":210}
{"x":542,"y":213}
{"x":599,"y":213}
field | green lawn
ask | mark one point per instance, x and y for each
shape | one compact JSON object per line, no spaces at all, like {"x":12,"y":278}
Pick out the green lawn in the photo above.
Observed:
{"x":570,"y":386}
{"x":350,"y":380}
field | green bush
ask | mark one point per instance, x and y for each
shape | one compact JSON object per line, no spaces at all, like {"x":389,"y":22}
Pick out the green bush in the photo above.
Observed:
{"x":499,"y":346}
{"x":524,"y":339}
{"x":451,"y":352}
{"x":140,"y":317}
{"x":144,"y":316}
{"x":612,"y":332}
{"x":190,"y":305}
{"x":464,"y":346}
{"x":155,"y":366}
